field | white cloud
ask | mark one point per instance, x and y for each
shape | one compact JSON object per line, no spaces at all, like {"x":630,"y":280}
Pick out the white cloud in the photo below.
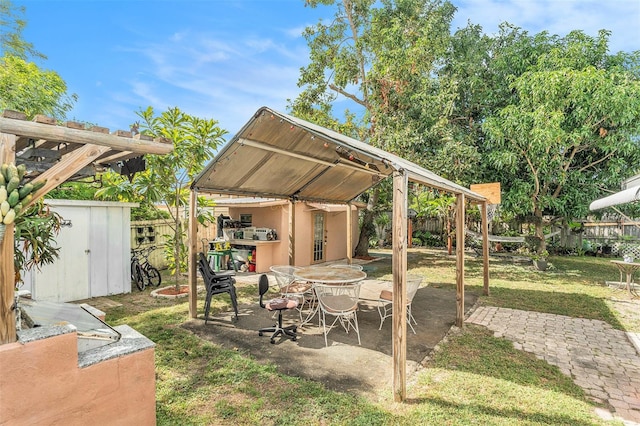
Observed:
{"x":621,"y":17}
{"x":222,"y":77}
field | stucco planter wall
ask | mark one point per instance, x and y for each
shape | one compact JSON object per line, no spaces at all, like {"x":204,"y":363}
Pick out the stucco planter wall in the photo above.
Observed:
{"x":45,"y":381}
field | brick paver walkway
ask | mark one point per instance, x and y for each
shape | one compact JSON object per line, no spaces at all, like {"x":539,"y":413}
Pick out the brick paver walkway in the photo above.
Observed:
{"x":600,"y":359}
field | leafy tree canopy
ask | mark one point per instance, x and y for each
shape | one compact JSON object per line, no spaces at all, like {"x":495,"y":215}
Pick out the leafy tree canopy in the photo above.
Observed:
{"x":25,"y":87}
{"x":570,"y":129}
{"x":12,"y":24}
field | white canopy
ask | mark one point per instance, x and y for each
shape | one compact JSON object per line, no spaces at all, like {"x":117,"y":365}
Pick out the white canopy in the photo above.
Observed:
{"x":629,"y":195}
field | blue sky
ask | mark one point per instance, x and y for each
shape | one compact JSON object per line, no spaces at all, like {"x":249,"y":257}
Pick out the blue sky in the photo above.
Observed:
{"x":224,"y":59}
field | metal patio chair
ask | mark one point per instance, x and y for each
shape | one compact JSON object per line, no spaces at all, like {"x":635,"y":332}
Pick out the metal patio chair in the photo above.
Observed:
{"x":386,"y":298}
{"x":289,"y":286}
{"x":339,"y":301}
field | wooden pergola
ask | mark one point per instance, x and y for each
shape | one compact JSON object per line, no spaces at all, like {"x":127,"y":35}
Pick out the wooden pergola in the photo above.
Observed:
{"x":280,"y":156}
{"x":56,"y":154}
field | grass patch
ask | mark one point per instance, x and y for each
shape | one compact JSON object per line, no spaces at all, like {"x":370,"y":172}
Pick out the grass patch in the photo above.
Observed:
{"x":473,"y":377}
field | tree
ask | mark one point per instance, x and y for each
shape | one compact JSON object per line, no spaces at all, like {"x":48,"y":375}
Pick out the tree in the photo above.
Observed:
{"x":571,"y":129}
{"x":11,"y":26}
{"x":28,"y":89}
{"x":167,"y":178}
{"x":379,"y":58}
{"x":430,"y":203}
{"x":474,"y":84}
{"x":24,"y":86}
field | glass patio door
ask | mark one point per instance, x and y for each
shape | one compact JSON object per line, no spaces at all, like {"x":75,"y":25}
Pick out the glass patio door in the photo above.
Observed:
{"x":319,"y":237}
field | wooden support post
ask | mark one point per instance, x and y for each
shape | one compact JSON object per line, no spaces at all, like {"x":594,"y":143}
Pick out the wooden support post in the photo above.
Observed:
{"x":7,"y":273}
{"x":292,"y":233}
{"x":349,"y":234}
{"x":399,"y":270}
{"x":193,"y":254}
{"x":485,"y":249}
{"x":460,"y":201}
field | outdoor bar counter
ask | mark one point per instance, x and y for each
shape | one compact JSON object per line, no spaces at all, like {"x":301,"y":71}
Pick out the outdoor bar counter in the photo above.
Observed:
{"x":264,"y":251}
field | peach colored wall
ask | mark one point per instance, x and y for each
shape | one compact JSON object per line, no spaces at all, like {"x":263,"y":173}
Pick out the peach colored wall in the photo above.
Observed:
{"x":42,"y":384}
{"x":337,"y":234}
{"x":263,"y":217}
{"x":303,"y":235}
{"x":277,"y":217}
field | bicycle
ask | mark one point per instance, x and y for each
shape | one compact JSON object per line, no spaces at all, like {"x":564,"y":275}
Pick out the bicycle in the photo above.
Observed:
{"x":142,"y":272}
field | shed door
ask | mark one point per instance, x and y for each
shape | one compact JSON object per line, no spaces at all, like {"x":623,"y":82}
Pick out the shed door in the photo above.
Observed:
{"x":68,"y":278}
{"x":110,"y":245}
{"x":319,"y":237}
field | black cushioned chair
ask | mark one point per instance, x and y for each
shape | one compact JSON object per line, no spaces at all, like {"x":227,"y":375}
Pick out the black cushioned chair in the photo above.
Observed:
{"x":216,"y":283}
{"x":279,"y":304}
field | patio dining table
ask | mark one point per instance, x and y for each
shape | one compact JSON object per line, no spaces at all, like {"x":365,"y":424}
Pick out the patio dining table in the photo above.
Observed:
{"x":628,"y":269}
{"x":330,"y":276}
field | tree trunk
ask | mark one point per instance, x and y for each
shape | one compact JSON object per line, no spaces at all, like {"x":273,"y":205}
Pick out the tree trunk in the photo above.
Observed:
{"x":362,"y":249}
{"x":449,"y":242}
{"x":539,"y":231}
{"x":176,"y":248}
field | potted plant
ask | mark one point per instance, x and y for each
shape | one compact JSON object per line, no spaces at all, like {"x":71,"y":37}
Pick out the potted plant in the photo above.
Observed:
{"x":540,"y":260}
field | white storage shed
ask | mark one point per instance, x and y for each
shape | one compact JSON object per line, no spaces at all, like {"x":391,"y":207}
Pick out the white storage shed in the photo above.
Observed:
{"x":95,"y":247}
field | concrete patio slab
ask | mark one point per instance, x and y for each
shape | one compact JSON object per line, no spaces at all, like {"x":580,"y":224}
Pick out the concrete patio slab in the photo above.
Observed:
{"x":343,"y":365}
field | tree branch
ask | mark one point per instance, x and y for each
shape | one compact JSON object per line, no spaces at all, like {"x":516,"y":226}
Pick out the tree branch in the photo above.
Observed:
{"x":609,"y":155}
{"x":348,"y":95}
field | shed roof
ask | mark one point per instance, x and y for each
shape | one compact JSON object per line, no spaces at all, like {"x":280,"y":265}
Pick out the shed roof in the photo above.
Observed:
{"x":278,"y":155}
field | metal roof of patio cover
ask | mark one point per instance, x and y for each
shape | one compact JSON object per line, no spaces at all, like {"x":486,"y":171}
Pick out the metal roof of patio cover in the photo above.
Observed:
{"x":278,"y":155}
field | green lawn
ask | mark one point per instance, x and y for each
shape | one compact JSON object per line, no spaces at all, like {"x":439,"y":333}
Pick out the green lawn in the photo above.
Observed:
{"x":473,"y":379}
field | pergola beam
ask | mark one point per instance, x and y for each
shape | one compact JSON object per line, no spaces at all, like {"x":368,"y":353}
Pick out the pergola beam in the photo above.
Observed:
{"x":349,"y":234}
{"x":63,"y":170}
{"x":68,"y":135}
{"x":193,"y":253}
{"x":485,"y":249}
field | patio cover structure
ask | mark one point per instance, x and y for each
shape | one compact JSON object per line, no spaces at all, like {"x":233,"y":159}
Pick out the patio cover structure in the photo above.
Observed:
{"x":625,"y":196}
{"x":280,"y":156}
{"x":57,"y":153}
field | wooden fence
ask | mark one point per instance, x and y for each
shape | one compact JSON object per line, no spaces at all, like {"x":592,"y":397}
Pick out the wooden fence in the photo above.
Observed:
{"x":147,"y":233}
{"x":603,"y":233}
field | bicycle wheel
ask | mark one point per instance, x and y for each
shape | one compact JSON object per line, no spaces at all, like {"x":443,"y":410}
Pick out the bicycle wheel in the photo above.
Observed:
{"x":153,"y":275}
{"x":138,"y":276}
{"x":133,"y":270}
